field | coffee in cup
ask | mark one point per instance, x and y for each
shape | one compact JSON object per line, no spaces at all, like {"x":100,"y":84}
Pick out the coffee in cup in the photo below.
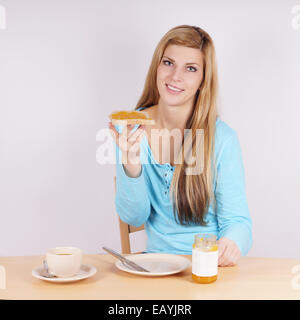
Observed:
{"x":64,"y":262}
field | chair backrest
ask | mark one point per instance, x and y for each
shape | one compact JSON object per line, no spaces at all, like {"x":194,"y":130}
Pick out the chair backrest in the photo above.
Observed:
{"x":125,"y":230}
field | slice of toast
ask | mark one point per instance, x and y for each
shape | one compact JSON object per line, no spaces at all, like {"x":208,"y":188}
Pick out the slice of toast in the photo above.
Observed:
{"x":131,"y":117}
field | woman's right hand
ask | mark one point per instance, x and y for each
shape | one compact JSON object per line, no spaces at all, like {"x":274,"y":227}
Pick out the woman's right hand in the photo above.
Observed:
{"x":129,"y":143}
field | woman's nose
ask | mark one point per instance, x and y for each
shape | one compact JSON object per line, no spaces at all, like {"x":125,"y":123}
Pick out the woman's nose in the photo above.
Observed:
{"x":176,"y":74}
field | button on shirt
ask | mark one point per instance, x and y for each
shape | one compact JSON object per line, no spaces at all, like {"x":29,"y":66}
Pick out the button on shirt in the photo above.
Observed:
{"x":146,"y":198}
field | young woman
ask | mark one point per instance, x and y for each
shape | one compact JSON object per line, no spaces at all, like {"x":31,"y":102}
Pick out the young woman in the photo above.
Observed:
{"x":180,"y":93}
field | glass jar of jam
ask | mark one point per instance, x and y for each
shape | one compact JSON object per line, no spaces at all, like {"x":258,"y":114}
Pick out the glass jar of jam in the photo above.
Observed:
{"x":205,"y":258}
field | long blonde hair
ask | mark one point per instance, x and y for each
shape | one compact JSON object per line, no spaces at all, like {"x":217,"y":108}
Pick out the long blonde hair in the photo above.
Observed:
{"x":191,"y":194}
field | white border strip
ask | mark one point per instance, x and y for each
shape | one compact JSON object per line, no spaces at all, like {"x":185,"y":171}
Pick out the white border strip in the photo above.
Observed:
{"x":2,"y":18}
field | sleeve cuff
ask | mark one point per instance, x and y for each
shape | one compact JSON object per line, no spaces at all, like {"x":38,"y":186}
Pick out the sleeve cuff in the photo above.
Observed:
{"x":240,"y":235}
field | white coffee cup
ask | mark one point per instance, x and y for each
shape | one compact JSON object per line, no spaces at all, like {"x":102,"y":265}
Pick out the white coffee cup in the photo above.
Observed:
{"x":64,"y":262}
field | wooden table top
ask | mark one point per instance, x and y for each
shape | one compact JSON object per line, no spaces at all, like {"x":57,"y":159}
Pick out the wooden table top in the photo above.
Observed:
{"x":252,"y":278}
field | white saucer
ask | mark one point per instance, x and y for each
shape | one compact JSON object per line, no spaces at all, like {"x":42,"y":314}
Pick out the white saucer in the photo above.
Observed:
{"x":159,"y":264}
{"x":86,"y":271}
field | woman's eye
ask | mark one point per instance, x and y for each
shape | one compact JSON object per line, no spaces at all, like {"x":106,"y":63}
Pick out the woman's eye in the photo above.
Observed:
{"x":193,"y":69}
{"x":167,"y":62}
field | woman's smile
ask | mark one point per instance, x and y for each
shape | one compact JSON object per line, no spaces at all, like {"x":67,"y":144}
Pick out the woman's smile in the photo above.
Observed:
{"x":173,"y":89}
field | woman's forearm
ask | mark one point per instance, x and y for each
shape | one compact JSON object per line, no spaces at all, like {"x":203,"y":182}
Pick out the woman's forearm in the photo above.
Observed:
{"x":132,"y":200}
{"x":132,"y":170}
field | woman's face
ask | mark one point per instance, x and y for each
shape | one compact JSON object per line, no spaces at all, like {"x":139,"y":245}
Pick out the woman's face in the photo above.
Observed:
{"x":179,"y":75}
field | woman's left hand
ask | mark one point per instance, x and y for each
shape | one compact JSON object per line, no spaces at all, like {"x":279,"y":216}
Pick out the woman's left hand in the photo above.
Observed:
{"x":229,"y":252}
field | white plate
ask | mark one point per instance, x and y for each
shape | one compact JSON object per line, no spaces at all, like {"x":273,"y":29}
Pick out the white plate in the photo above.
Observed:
{"x":86,"y":271}
{"x":159,"y":264}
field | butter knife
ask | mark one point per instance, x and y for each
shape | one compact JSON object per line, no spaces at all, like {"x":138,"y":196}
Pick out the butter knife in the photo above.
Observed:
{"x":124,"y":260}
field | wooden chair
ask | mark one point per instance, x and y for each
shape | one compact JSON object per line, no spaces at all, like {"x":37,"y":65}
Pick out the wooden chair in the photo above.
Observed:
{"x":125,"y":230}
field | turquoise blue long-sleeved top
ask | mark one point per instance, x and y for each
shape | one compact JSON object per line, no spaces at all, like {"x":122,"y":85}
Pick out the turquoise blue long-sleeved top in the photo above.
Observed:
{"x":145,"y":199}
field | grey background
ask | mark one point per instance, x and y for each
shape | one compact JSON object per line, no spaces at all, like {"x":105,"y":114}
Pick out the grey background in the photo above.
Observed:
{"x":65,"y":65}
